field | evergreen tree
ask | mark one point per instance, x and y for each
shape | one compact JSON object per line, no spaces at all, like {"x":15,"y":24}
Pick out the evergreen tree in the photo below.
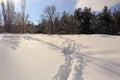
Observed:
{"x":78,"y":16}
{"x":116,"y":21}
{"x":104,"y":24}
{"x":84,"y":17}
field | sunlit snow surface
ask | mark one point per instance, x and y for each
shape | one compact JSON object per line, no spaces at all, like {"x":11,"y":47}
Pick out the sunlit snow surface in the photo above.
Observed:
{"x":59,"y":57}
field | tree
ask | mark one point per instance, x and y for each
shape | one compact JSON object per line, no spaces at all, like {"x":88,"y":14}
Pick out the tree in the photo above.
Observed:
{"x":68,"y":24}
{"x":11,"y":18}
{"x":23,"y":16}
{"x":104,"y":25}
{"x":56,"y":25}
{"x":64,"y":23}
{"x":50,"y":14}
{"x":116,"y":21}
{"x":8,"y":14}
{"x":84,"y":17}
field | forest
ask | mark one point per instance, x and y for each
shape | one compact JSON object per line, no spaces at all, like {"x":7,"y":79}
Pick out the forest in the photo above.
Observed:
{"x":81,"y":21}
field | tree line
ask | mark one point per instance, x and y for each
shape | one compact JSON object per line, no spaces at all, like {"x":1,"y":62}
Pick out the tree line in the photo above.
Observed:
{"x":81,"y":21}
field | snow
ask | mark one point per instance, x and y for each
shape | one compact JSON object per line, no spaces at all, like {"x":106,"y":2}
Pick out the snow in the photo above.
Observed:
{"x":59,"y":57}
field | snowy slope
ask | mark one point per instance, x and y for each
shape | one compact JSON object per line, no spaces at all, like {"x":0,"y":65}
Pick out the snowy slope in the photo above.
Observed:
{"x":59,"y":57}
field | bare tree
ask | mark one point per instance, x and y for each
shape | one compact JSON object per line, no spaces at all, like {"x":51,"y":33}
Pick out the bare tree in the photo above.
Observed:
{"x":4,"y":11}
{"x":8,"y":13}
{"x":24,"y":18}
{"x":1,"y":24}
{"x":50,"y":14}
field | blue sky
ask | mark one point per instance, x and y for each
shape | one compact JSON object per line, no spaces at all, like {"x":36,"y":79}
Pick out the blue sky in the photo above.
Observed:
{"x":35,"y":8}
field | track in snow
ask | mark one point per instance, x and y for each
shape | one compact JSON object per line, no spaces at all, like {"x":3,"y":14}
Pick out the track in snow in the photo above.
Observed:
{"x":74,"y":65}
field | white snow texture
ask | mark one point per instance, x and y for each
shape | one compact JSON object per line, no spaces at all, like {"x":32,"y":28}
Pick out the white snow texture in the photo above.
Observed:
{"x":59,"y":57}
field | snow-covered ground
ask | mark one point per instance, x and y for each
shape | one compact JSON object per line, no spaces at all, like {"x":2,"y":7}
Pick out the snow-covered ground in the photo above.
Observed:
{"x":59,"y":57}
